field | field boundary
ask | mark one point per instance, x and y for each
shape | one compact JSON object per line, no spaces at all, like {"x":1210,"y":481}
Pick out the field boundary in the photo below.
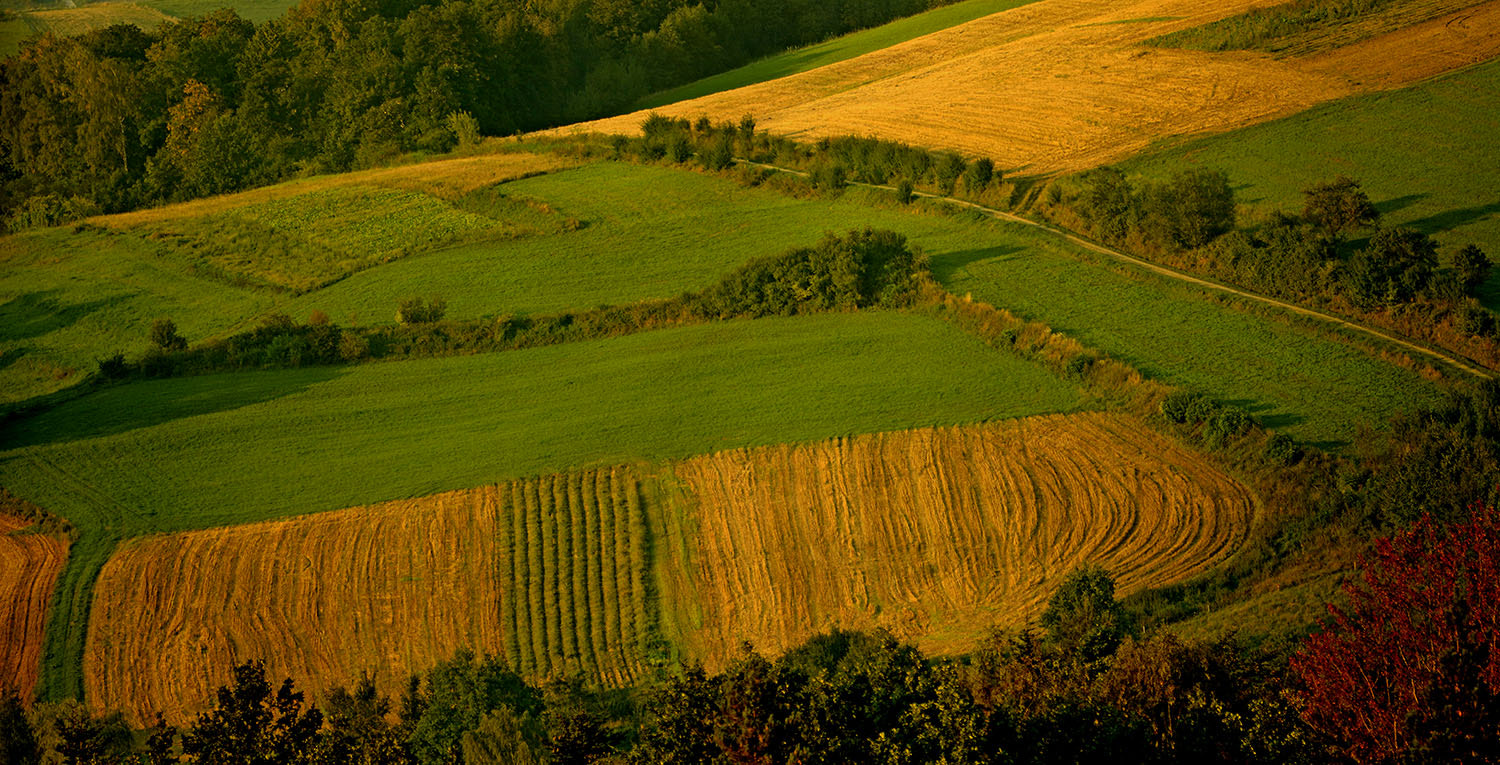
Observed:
{"x":1163,"y":270}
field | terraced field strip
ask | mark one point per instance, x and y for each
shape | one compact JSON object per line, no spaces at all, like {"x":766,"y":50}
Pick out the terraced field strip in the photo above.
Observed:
{"x":447,"y":178}
{"x":940,"y":534}
{"x":549,"y":572}
{"x":29,"y":566}
{"x":1060,"y":85}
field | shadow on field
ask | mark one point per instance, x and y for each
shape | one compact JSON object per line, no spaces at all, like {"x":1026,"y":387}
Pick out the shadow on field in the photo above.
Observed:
{"x":122,"y":408}
{"x":1452,"y":219}
{"x":1399,"y":203}
{"x":951,"y":264}
{"x":38,"y":313}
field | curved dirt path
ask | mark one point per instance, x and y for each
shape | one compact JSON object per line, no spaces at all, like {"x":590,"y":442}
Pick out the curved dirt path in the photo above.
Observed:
{"x":1170,"y":272}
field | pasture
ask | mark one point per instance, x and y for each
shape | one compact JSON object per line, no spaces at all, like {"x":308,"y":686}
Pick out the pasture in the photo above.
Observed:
{"x":75,"y":294}
{"x":1310,"y":26}
{"x":654,"y":233}
{"x":1063,"y":85}
{"x":1424,"y":155}
{"x":20,"y":25}
{"x":254,"y":10}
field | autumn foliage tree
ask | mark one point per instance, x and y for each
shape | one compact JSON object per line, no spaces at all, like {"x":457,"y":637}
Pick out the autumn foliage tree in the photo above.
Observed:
{"x":1410,"y":670}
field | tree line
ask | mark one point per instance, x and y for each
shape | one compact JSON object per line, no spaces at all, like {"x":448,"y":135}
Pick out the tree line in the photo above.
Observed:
{"x":859,"y":269}
{"x":1407,"y":671}
{"x":1333,"y":253}
{"x":122,"y":117}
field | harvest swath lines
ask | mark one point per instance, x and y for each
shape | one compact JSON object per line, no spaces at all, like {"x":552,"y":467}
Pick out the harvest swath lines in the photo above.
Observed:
{"x":937,"y":533}
{"x":1051,"y":86}
{"x":29,"y":565}
{"x":549,"y":572}
{"x":943,"y":533}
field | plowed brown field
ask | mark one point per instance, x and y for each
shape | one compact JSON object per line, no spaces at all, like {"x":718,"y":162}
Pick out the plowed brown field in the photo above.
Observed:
{"x":549,"y":572}
{"x":29,"y":565}
{"x":940,"y":534}
{"x":1065,"y":84}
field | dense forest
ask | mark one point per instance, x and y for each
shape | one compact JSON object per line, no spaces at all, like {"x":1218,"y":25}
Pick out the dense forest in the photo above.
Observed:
{"x":121,"y":117}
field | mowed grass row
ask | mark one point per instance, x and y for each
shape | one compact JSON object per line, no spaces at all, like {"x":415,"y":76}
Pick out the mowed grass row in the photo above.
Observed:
{"x":835,"y":50}
{"x":228,"y":449}
{"x":1425,"y":155}
{"x":550,"y":572}
{"x":572,"y":568}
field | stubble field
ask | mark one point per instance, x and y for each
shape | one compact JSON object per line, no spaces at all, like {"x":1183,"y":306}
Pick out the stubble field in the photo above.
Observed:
{"x":29,"y":566}
{"x":549,"y":572}
{"x":1063,"y":85}
{"x":938,"y":534}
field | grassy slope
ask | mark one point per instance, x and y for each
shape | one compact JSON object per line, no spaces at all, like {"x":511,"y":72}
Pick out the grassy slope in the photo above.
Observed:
{"x":1425,"y":154}
{"x":67,"y":299}
{"x":74,"y":294}
{"x":654,"y":233}
{"x":832,"y":51}
{"x":190,"y":452}
{"x":195,"y":452}
{"x":254,"y":10}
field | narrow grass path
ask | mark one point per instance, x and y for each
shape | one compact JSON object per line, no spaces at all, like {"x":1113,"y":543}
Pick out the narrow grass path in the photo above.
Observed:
{"x":1172,"y":273}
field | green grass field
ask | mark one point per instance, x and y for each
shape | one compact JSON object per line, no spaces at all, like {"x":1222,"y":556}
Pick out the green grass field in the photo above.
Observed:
{"x":68,"y":299}
{"x":1301,"y":27}
{"x":1425,"y":155}
{"x":1290,"y":377}
{"x":225,"y":449}
{"x":654,"y":233}
{"x":833,"y":51}
{"x":254,"y":10}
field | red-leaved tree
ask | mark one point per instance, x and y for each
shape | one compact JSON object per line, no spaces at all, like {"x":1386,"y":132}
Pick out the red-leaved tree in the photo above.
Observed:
{"x":1410,"y":671}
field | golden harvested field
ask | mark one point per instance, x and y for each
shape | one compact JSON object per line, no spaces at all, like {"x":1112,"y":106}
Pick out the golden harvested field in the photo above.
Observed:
{"x":940,"y":534}
{"x":446,"y":179}
{"x":1063,"y":85}
{"x":937,"y":534}
{"x":549,"y":572}
{"x":29,"y":565}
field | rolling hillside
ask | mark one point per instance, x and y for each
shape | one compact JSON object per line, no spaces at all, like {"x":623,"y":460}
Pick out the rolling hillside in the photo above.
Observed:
{"x":1064,"y":85}
{"x":936,"y":533}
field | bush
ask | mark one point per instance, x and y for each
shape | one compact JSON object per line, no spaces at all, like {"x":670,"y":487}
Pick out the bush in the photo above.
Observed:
{"x":1079,"y":366}
{"x":828,"y":176}
{"x":1282,"y":450}
{"x":164,"y":335}
{"x":414,"y":311}
{"x":1186,"y":408}
{"x":465,"y":129}
{"x":353,"y":347}
{"x":1476,"y":320}
{"x":979,"y":175}
{"x":1227,"y":423}
{"x":904,"y":192}
{"x":114,"y":367}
